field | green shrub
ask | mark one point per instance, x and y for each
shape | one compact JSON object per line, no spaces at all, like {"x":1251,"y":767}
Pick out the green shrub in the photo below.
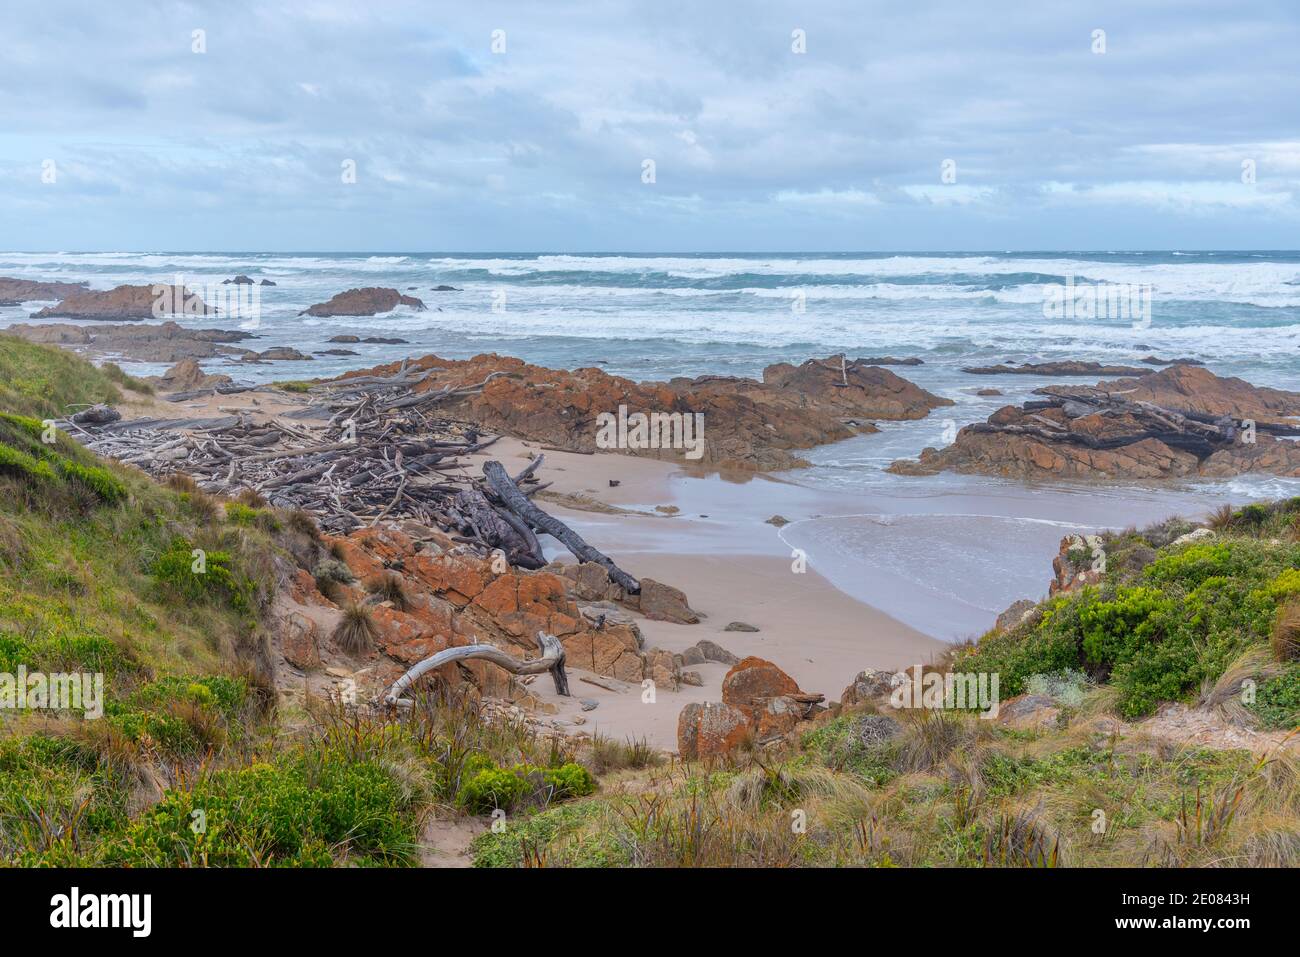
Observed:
{"x":1051,"y":645}
{"x":177,"y":571}
{"x":490,"y":788}
{"x":1277,"y":701}
{"x":238,"y":514}
{"x":494,"y":788}
{"x":569,"y":781}
{"x":221,"y":692}
{"x":1114,"y":631}
{"x":303,"y":812}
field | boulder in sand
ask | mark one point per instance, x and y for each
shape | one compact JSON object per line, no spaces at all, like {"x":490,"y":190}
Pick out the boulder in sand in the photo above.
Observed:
{"x":187,"y":376}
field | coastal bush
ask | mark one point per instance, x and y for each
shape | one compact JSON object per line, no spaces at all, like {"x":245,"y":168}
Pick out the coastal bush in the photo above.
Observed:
{"x":207,"y":577}
{"x":1277,"y":701}
{"x":1051,"y":645}
{"x":491,"y":788}
{"x":1066,"y":687}
{"x":494,"y":788}
{"x":310,"y":811}
{"x":1157,"y":627}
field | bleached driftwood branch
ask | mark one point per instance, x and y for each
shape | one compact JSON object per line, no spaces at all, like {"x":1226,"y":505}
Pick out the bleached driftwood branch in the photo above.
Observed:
{"x":552,"y":660}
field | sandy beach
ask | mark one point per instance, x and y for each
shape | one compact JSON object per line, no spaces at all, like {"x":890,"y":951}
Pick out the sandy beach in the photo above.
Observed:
{"x":733,"y":567}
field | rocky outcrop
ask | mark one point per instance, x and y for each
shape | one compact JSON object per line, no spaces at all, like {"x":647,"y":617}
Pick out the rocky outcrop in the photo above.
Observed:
{"x":705,"y":650}
{"x":1073,"y":567}
{"x":1196,"y":391}
{"x":866,"y":687}
{"x":166,"y":342}
{"x":1068,"y":367}
{"x":369,"y":301}
{"x":1029,"y":712}
{"x":453,"y":597}
{"x":28,"y":290}
{"x":747,"y":424}
{"x":187,"y":376}
{"x":760,"y":703}
{"x":657,"y":601}
{"x":242,"y":280}
{"x":132,"y":303}
{"x":1182,"y":421}
{"x":1017,"y":611}
{"x":853,"y":388}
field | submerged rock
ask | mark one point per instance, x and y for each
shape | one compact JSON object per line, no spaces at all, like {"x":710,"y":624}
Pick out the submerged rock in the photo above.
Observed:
{"x":1068,"y":367}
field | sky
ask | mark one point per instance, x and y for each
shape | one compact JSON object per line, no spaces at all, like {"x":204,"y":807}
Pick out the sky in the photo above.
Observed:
{"x":324,"y":125}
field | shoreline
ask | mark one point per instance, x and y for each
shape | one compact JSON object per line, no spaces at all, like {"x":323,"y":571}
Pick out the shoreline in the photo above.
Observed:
{"x":892,"y":577}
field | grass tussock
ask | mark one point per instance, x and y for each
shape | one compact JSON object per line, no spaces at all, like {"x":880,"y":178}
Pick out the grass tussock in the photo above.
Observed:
{"x":356,"y":632}
{"x":388,"y":586}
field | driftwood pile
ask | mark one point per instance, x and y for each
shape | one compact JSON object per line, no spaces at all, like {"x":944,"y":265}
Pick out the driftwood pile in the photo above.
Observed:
{"x":361,"y":450}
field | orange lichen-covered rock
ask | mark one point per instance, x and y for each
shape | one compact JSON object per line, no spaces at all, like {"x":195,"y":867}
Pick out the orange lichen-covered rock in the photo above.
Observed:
{"x":710,"y":730}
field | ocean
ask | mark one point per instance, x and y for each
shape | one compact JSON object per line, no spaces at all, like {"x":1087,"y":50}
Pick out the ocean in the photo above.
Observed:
{"x":943,"y":553}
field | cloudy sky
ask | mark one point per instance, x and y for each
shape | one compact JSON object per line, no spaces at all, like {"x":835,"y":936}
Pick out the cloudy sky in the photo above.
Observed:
{"x":117,"y":134}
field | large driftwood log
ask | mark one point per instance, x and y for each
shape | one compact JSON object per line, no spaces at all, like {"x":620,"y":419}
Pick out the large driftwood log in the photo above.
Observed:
{"x":508,"y":492}
{"x":552,"y":660}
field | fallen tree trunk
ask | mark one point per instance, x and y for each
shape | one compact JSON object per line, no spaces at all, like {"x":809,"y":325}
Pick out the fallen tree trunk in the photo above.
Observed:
{"x":508,"y":492}
{"x":552,"y":660}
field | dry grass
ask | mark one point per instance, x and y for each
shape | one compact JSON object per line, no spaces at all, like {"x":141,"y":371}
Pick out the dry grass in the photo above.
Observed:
{"x":1285,"y":638}
{"x":388,"y":586}
{"x":1221,"y":518}
{"x":1225,"y":695}
{"x":608,"y":754}
{"x":252,"y":498}
{"x":355,"y":633}
{"x":303,"y":523}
